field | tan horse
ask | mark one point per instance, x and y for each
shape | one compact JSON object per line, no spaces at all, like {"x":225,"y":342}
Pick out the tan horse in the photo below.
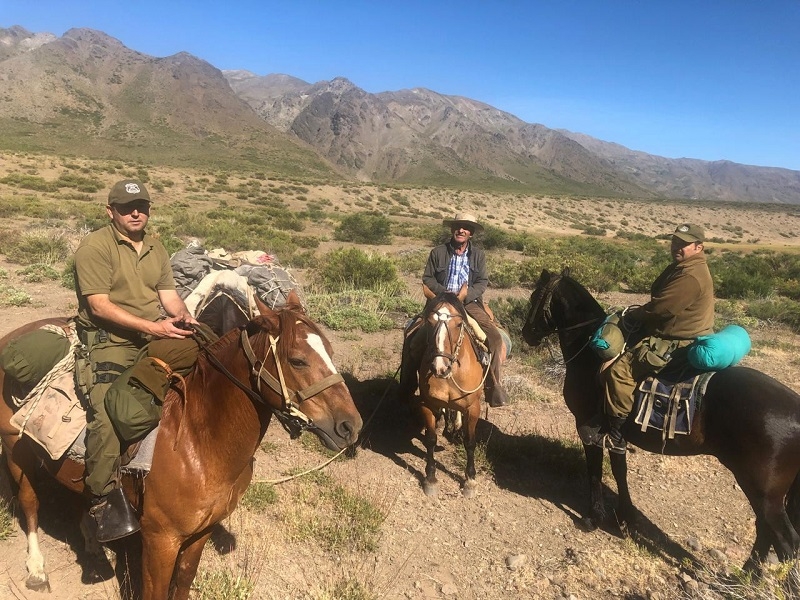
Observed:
{"x":279,"y":363}
{"x":450,"y":377}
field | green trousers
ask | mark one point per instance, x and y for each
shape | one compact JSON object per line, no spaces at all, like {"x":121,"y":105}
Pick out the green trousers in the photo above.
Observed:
{"x":633,"y":366}
{"x":121,"y":407}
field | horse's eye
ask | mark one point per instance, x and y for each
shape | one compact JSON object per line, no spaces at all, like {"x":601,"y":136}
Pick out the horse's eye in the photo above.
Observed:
{"x":298,"y":363}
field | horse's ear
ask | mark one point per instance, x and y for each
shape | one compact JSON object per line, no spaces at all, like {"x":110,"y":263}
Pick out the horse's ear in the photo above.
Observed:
{"x":293,"y":302}
{"x":545,"y":274}
{"x":263,"y":309}
{"x":427,"y":292}
{"x":462,"y":293}
{"x":565,"y":272}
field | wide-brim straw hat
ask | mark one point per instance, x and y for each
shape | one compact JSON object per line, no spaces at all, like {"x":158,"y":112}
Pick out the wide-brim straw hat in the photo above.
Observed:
{"x":464,"y":218}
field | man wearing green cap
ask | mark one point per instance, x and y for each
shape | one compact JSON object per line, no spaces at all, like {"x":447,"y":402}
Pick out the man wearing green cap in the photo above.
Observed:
{"x":680,"y":309}
{"x":123,"y":281}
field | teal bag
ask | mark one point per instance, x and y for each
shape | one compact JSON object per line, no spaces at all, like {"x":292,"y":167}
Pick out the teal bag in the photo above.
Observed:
{"x":719,"y":350}
{"x":609,"y":340}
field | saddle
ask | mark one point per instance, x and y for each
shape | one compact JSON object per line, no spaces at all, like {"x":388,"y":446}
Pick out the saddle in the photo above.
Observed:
{"x":669,"y":402}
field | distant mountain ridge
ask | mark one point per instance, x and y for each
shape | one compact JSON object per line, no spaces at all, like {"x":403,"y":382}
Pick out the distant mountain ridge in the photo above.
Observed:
{"x":87,"y":92}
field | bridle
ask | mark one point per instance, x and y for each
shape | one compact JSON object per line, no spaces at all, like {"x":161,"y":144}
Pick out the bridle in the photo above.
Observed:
{"x":289,"y":414}
{"x":543,"y":304}
{"x":441,"y":322}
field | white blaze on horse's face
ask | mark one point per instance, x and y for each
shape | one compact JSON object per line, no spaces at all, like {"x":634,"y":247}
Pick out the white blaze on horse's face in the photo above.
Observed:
{"x":316,"y":344}
{"x":440,"y":364}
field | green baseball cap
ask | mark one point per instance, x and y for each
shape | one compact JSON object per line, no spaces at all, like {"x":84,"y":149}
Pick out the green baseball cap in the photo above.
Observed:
{"x":126,"y":191}
{"x":690,"y":233}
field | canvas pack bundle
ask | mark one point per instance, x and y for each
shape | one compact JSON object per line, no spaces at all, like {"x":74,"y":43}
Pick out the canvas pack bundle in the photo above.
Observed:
{"x":55,"y":419}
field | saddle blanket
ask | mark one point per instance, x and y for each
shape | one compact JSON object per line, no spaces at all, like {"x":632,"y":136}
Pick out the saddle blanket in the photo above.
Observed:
{"x":669,"y":406}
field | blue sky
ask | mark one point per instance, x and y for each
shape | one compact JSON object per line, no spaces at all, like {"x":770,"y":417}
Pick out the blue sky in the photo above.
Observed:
{"x":708,"y":79}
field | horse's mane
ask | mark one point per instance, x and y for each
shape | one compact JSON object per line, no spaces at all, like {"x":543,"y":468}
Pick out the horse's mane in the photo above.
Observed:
{"x":585,"y":299}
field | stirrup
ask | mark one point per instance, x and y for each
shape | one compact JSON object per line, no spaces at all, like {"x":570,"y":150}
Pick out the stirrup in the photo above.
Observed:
{"x":609,"y":444}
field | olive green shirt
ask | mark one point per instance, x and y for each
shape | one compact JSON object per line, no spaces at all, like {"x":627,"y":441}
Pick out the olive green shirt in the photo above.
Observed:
{"x":682,"y":301}
{"x":107,"y":263}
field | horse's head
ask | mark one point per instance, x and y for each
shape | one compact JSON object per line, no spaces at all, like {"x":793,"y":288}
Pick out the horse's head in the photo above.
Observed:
{"x":558,"y":303}
{"x":539,"y":323}
{"x":445,"y":318}
{"x":305,"y":391}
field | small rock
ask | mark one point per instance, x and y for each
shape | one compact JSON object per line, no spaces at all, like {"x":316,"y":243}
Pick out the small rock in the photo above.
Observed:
{"x":694,"y":544}
{"x":448,"y":589}
{"x":515,"y":561}
{"x":717,"y":555}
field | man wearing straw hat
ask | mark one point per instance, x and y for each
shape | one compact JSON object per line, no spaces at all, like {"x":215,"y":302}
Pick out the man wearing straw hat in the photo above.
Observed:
{"x":450,"y":266}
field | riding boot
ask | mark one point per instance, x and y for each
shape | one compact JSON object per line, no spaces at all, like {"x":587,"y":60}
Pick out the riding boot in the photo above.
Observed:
{"x":495,"y":394}
{"x":408,"y":382}
{"x":614,"y":441}
{"x":114,"y":516}
{"x":589,"y":432}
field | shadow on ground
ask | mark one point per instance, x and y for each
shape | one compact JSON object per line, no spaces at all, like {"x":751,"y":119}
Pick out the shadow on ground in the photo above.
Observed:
{"x":531,"y":465}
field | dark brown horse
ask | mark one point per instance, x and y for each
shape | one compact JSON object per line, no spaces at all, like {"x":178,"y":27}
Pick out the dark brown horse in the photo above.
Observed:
{"x":450,"y":377}
{"x":748,"y":420}
{"x":280,"y":364}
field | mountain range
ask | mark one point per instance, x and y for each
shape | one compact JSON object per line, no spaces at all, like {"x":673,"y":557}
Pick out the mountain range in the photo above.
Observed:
{"x":86,"y":93}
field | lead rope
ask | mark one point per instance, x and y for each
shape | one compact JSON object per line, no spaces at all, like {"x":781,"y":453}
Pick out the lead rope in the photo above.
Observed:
{"x":338,"y":454}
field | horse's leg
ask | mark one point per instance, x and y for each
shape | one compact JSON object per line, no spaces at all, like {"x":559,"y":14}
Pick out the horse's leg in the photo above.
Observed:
{"x":470,"y":441}
{"x":29,"y":503}
{"x":429,"y":484}
{"x":626,"y":514}
{"x":594,"y":469}
{"x":188,"y":561}
{"x":159,"y":557}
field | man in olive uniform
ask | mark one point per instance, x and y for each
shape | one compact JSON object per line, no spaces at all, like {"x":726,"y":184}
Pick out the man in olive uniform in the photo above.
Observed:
{"x":681,"y":308}
{"x":123,"y":281}
{"x":451,"y":265}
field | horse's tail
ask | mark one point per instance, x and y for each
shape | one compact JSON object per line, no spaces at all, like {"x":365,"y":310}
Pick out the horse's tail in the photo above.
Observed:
{"x":793,"y":503}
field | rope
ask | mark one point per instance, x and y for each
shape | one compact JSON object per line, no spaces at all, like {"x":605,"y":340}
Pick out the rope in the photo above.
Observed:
{"x":338,"y":454}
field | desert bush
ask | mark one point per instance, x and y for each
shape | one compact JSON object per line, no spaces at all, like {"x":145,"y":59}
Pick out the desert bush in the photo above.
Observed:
{"x":755,"y":275}
{"x":412,"y":262}
{"x":781,"y":310}
{"x":38,"y":272}
{"x":29,"y":182}
{"x":35,"y":247}
{"x":353,"y":269}
{"x":364,"y":228}
{"x":11,"y":296}
{"x":349,"y":310}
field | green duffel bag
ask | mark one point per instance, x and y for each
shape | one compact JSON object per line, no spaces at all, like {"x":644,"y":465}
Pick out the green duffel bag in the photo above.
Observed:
{"x":33,"y":355}
{"x":133,"y":410}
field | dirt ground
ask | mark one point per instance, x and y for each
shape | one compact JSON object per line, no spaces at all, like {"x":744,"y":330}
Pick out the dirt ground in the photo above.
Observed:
{"x":520,"y":536}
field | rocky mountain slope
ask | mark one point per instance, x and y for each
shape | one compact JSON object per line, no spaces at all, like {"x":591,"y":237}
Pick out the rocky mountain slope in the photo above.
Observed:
{"x":86,"y":93}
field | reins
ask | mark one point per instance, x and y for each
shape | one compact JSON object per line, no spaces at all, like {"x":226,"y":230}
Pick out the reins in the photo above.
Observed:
{"x":453,"y":358}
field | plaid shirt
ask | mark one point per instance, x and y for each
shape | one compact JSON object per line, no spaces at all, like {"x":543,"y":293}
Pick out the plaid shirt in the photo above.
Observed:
{"x":458,"y":273}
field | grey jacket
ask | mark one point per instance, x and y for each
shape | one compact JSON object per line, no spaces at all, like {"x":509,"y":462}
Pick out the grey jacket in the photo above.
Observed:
{"x":435,"y":275}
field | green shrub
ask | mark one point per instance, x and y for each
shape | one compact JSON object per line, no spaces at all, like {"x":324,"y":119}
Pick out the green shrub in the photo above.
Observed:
{"x":222,"y":585}
{"x":38,"y":248}
{"x":781,"y":310}
{"x":38,"y":272}
{"x":349,"y":310}
{"x":352,"y":268}
{"x":364,"y":228}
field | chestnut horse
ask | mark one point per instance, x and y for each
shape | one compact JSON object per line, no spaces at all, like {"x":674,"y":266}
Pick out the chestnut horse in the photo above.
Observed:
{"x":279,"y":363}
{"x":450,"y":377}
{"x":748,"y":420}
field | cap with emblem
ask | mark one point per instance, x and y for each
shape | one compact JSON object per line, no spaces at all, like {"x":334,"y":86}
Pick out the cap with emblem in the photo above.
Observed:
{"x":690,"y":233}
{"x":126,"y":191}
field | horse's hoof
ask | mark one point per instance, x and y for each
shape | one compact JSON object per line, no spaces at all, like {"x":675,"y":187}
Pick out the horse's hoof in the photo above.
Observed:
{"x":470,"y":487}
{"x":431,"y":489}
{"x":587,"y":523}
{"x":38,"y":583}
